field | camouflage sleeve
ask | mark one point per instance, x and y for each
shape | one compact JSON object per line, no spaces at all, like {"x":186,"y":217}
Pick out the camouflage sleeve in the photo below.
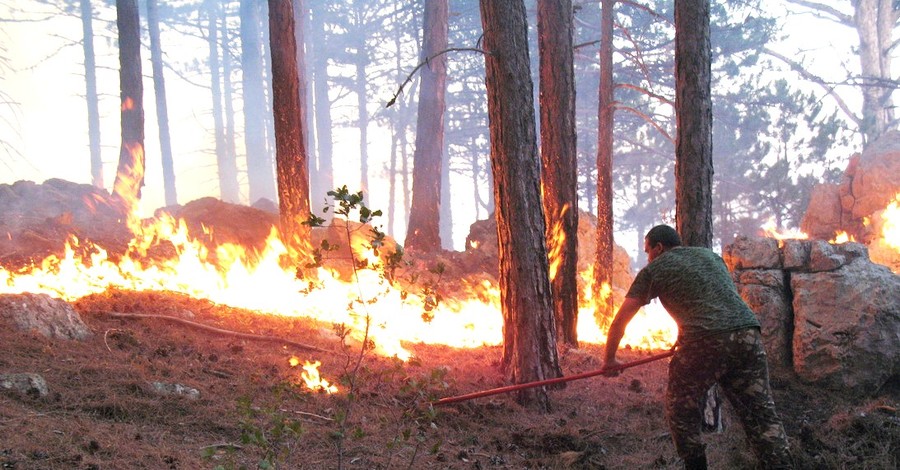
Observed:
{"x":641,"y":287}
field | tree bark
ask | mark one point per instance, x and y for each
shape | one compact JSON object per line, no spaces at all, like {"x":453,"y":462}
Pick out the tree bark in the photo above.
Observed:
{"x":130,"y":171}
{"x":529,"y":332}
{"x":91,"y":98}
{"x":693,"y":108}
{"x":603,"y":265}
{"x":423,"y":232}
{"x":558,"y":156}
{"x":162,"y":110}
{"x":875,"y":20}
{"x":290,"y":156}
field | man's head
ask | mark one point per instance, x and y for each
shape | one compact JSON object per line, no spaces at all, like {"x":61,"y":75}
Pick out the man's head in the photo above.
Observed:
{"x":659,"y":239}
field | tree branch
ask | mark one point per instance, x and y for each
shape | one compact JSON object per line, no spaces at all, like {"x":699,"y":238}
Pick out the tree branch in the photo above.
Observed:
{"x":425,"y":62}
{"x":797,"y":67}
{"x":648,"y":120}
{"x":822,"y":8}
{"x":220,"y":331}
{"x":646,"y":92}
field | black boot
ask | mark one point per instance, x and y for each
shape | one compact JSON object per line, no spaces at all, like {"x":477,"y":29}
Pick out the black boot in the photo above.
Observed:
{"x":695,"y":463}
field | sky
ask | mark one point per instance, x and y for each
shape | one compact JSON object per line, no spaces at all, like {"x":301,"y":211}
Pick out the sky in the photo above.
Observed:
{"x":47,"y":124}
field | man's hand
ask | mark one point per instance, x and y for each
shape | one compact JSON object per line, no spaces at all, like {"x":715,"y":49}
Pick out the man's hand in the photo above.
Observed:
{"x":611,"y":368}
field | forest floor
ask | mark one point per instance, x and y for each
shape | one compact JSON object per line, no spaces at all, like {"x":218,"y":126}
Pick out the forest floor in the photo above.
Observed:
{"x":253,"y":410}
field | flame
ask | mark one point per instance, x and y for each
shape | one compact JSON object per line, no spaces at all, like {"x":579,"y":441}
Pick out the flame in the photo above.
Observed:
{"x":557,"y":242}
{"x":311,"y":377}
{"x":890,"y":223}
{"x":842,"y":237}
{"x":771,"y":229}
{"x":370,"y":307}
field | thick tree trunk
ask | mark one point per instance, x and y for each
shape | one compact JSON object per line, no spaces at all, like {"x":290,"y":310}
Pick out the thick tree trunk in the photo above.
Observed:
{"x":603,"y":265}
{"x":875,"y":20}
{"x":529,"y":332}
{"x":559,"y":158}
{"x":162,"y":109}
{"x":259,"y":166}
{"x":423,"y":232}
{"x":693,"y":107}
{"x":290,"y":156}
{"x":93,"y":104}
{"x":131,"y":168}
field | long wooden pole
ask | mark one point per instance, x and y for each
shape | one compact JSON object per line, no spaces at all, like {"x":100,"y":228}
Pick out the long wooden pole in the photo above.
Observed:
{"x":539,"y":383}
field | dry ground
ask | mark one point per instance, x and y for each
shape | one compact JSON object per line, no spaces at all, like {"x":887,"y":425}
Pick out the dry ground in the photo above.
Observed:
{"x":102,"y":412}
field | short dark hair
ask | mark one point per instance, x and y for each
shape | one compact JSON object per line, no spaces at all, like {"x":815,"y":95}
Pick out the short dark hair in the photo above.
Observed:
{"x":665,"y":235}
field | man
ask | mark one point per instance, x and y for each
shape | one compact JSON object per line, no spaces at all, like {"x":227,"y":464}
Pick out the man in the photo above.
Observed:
{"x":718,"y":341}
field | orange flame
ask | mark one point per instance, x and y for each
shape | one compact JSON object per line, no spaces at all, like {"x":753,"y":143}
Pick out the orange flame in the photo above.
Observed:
{"x":311,"y":376}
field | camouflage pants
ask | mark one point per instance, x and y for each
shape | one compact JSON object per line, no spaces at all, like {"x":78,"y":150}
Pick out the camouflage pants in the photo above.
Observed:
{"x":737,"y":361}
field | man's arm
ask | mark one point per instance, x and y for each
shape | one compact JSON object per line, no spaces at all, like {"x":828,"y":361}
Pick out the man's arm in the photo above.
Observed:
{"x":626,"y":312}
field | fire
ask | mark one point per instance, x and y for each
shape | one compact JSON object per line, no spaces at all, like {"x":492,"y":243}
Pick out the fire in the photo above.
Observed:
{"x":772,"y":230}
{"x":311,"y":377}
{"x":890,"y":225}
{"x":369,"y":307}
{"x":842,"y":237}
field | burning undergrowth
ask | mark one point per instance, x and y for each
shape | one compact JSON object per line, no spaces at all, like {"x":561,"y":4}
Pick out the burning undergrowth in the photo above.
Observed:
{"x":207,"y":366}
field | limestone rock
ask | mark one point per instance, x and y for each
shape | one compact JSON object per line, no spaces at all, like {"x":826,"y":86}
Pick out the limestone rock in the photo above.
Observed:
{"x":46,"y":315}
{"x":752,"y":252}
{"x":847,"y":325}
{"x":765,"y":293}
{"x":25,"y":383}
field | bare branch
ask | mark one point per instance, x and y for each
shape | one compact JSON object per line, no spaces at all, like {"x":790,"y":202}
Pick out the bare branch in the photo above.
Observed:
{"x":647,"y":92}
{"x":425,"y":62}
{"x":821,"y":10}
{"x":648,"y":120}
{"x":797,"y":67}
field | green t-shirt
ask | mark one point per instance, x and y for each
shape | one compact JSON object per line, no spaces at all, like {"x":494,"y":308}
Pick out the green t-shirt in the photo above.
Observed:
{"x":695,"y":287}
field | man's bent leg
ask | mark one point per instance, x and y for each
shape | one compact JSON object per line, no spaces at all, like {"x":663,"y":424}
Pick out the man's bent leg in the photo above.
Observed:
{"x":690,"y":376}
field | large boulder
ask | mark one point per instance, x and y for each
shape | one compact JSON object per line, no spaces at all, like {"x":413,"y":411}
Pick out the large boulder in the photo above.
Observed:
{"x":869,"y":183}
{"x":846,"y":322}
{"x":828,"y":314}
{"x":43,"y":314}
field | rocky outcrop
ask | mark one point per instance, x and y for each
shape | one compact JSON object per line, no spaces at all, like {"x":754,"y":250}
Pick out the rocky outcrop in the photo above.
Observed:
{"x":828,"y":314}
{"x":45,"y":315}
{"x":857,"y":204}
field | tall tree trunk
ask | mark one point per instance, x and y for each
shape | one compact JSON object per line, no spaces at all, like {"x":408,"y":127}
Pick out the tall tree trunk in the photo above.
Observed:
{"x":875,"y":20}
{"x":559,"y":158}
{"x":228,"y":99}
{"x":162,"y":109}
{"x":225,"y":166}
{"x":693,"y":146}
{"x":362,"y":105}
{"x":603,"y":265}
{"x":290,"y":157}
{"x":324,"y":180}
{"x":259,"y":167}
{"x":423,"y":232}
{"x":130,"y":171}
{"x":529,"y":331}
{"x":693,"y":107}
{"x":90,"y":82}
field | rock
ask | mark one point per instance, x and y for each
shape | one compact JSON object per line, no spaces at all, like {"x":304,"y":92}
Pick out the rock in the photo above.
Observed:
{"x":175,"y":389}
{"x":46,"y":315}
{"x":847,"y":326}
{"x":877,"y":176}
{"x":752,"y":252}
{"x":29,"y":384}
{"x":823,"y":214}
{"x":765,"y":293}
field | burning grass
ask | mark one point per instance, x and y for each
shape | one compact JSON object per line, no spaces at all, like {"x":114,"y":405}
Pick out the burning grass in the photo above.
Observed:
{"x":103,"y":411}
